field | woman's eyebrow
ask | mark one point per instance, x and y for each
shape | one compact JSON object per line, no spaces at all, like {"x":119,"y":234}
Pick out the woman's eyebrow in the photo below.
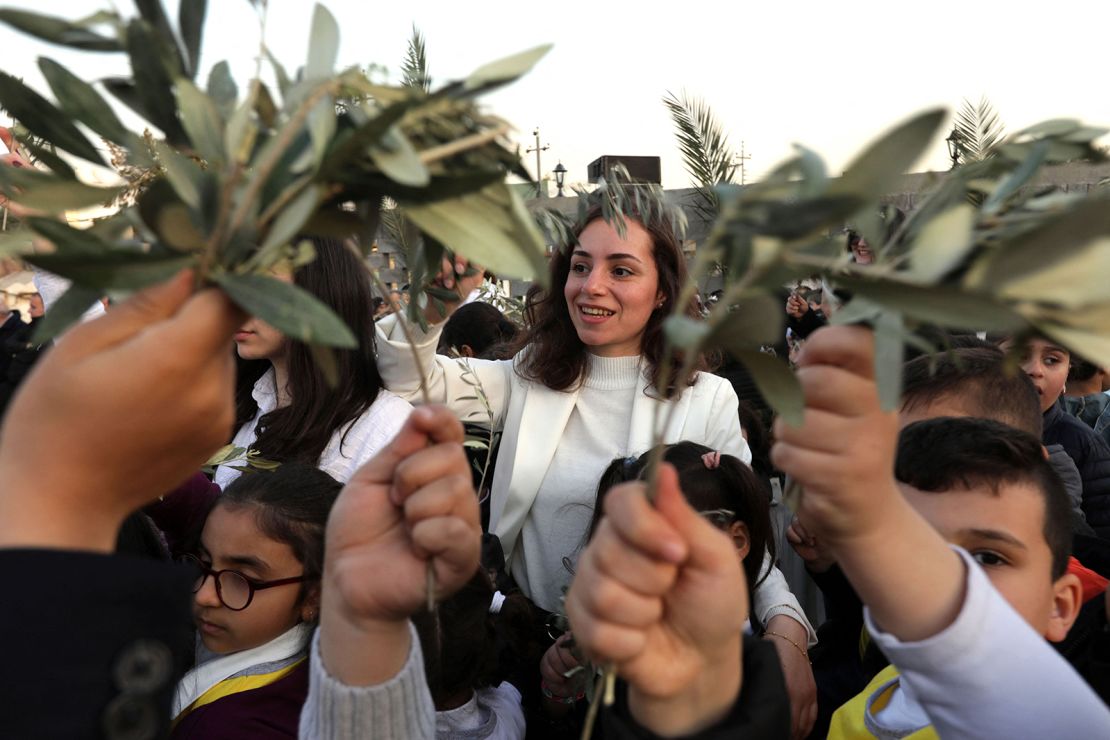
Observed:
{"x":610,"y":257}
{"x":247,"y":561}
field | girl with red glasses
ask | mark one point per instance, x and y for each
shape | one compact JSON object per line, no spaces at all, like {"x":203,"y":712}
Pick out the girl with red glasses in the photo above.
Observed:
{"x":256,"y":600}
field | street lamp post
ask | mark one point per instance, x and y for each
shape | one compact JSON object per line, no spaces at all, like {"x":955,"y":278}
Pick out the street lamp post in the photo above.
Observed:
{"x":953,"y":142}
{"x":539,"y":172}
{"x":560,"y":177}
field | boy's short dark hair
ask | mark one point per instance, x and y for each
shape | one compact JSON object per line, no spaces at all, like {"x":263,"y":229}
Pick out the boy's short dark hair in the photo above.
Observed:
{"x":978,"y":376}
{"x":940,"y":454}
{"x":1081,"y":370}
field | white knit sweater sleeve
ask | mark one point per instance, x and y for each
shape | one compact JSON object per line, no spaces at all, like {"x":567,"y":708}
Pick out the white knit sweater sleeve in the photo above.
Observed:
{"x":990,"y":675}
{"x":399,"y":709}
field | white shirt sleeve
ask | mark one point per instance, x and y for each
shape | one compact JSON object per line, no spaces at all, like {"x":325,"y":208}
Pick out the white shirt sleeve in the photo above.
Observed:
{"x":990,"y":675}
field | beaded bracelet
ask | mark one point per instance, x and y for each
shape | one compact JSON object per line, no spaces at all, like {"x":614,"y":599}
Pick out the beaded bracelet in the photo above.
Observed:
{"x":797,"y":647}
{"x":549,"y":694}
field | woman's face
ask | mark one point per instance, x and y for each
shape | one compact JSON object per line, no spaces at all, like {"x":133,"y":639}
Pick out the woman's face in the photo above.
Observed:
{"x":232,"y":540}
{"x":861,"y":251}
{"x":257,"y":340}
{"x":1047,"y":365}
{"x":612,"y":288}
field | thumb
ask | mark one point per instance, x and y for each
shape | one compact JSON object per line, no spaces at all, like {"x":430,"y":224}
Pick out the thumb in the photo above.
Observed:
{"x":148,"y":306}
{"x":706,"y":543}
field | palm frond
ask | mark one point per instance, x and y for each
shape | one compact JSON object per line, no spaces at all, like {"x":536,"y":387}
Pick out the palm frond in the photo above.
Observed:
{"x":414,"y":70}
{"x":706,"y":153}
{"x":978,"y":129}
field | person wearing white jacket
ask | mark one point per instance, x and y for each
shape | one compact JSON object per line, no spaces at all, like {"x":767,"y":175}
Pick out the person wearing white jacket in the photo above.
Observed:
{"x":580,"y":393}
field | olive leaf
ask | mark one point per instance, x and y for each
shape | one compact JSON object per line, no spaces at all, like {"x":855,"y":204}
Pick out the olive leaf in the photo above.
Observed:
{"x":776,"y":382}
{"x":43,"y":119}
{"x":64,"y":312}
{"x":201,"y":120}
{"x":57,"y":30}
{"x":490,"y":227}
{"x":191,"y":15}
{"x":116,"y":270}
{"x":81,"y":101}
{"x":291,"y":310}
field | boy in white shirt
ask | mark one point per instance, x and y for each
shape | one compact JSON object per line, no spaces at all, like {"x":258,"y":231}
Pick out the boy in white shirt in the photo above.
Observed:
{"x":972,"y":665}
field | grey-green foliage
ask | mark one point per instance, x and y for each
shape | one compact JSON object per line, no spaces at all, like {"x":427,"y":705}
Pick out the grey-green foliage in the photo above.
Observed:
{"x":240,"y":173}
{"x":1023,"y":260}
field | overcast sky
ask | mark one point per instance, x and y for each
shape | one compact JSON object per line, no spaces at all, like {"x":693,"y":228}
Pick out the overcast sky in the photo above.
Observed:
{"x":829,"y":75}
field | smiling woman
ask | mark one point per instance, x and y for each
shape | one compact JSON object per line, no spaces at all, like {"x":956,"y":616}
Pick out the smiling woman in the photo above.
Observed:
{"x":579,"y":393}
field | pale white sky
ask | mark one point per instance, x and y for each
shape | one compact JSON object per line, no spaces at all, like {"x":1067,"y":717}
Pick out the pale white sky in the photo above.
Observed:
{"x":829,"y":75}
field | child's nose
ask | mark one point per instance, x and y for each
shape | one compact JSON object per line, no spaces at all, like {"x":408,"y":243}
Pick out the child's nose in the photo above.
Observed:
{"x":207,"y":595}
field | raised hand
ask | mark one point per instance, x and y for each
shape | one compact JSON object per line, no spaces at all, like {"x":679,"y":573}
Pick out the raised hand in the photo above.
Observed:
{"x":660,"y":593}
{"x":452,"y":277}
{"x":118,"y":413}
{"x":411,"y":504}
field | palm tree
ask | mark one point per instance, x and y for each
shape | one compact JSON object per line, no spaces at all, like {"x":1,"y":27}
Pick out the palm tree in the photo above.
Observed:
{"x":976,"y":131}
{"x":704,"y":146}
{"x":414,"y":69}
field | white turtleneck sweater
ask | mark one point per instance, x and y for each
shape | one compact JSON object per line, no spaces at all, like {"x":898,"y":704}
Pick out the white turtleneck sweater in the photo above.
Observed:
{"x":596,"y":433}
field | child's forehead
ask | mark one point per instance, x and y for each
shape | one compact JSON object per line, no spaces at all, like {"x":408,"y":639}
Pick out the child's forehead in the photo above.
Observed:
{"x":1016,"y":508}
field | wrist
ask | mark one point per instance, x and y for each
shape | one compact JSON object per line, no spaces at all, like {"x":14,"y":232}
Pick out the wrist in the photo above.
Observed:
{"x":33,"y":516}
{"x":359,"y":650}
{"x":701,"y":704}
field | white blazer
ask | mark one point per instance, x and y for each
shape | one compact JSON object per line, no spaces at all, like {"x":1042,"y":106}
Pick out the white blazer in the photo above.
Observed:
{"x":533,"y":417}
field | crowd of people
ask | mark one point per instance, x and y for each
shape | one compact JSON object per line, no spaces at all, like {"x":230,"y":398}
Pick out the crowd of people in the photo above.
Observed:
{"x":959,"y":544}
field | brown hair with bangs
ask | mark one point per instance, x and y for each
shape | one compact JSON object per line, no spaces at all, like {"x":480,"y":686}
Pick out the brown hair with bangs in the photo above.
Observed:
{"x":556,"y":357}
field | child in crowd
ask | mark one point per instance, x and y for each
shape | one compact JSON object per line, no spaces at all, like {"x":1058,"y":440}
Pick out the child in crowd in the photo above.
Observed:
{"x":257,"y":596}
{"x":727,"y":493}
{"x":287,"y":408}
{"x":970,"y":381}
{"x":1085,"y":396}
{"x":1046,"y":363}
{"x":972,"y":665}
{"x":461,"y":644}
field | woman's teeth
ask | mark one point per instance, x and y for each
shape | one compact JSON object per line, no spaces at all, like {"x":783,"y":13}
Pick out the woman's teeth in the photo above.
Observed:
{"x":596,"y":311}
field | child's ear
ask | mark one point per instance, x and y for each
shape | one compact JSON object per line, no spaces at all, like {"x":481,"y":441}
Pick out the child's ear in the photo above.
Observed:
{"x":738,"y":531}
{"x":1067,"y":598}
{"x":310,"y":605}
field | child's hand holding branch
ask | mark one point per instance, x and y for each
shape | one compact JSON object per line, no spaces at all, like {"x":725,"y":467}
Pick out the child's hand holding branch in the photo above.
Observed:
{"x":660,"y":593}
{"x":843,"y":455}
{"x":412,"y":504}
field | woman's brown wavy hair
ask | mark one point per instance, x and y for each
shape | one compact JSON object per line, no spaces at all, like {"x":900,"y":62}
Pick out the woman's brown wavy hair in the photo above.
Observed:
{"x":552,"y":352}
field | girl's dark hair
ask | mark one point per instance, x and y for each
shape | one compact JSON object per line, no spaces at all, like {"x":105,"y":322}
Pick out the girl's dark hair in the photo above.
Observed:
{"x":291,"y":505}
{"x":463,"y":644}
{"x":479,"y":326}
{"x":731,"y":485}
{"x":556,"y":357}
{"x":317,"y":410}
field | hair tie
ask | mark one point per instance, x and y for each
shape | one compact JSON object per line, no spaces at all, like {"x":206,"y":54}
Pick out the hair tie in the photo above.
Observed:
{"x":712,"y":460}
{"x":496,"y":603}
